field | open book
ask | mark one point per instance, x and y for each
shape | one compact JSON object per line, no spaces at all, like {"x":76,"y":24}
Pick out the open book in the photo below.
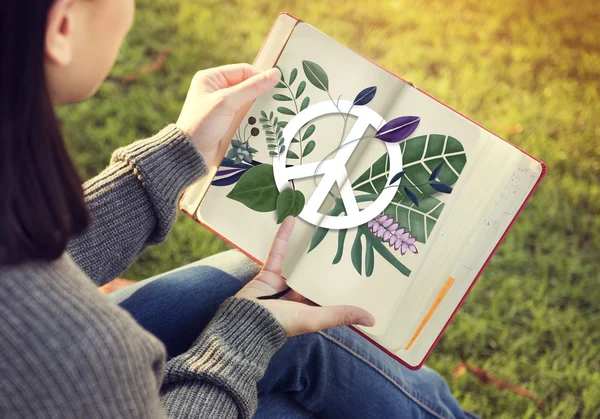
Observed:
{"x":400,"y":200}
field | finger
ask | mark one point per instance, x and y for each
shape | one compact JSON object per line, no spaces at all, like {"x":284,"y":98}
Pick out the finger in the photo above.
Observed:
{"x":229,"y":75}
{"x":250,"y":89}
{"x":274,"y":261}
{"x":334,"y":316}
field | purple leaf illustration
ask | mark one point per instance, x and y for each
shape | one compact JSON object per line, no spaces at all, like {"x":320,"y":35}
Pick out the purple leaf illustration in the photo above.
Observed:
{"x":436,"y":171}
{"x":230,"y":180}
{"x":365,"y":96}
{"x":398,"y":129}
{"x":411,"y":196}
{"x":389,"y":231}
{"x":227,"y":172}
{"x":396,"y":177}
{"x":441,"y":187}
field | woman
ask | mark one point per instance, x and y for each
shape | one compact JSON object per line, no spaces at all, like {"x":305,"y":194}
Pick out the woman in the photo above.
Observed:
{"x":66,"y":351}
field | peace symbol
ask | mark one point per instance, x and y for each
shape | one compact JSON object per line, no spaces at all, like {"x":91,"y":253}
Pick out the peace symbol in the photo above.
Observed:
{"x":334,"y":170}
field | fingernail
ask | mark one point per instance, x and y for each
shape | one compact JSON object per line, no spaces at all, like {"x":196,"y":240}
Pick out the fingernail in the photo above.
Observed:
{"x":272,"y":72}
{"x":368,"y":321}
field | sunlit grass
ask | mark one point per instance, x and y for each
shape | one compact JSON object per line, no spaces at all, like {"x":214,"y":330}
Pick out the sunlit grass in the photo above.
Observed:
{"x":531,"y":73}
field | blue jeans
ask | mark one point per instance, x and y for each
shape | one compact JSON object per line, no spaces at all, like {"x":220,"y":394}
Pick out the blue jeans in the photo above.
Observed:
{"x":334,"y":373}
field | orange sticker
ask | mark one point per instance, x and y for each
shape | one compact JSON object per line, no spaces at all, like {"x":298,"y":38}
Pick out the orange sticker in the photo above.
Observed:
{"x":432,"y":310}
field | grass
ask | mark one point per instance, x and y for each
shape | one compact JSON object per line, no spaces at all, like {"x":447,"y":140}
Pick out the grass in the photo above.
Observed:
{"x":530,"y":71}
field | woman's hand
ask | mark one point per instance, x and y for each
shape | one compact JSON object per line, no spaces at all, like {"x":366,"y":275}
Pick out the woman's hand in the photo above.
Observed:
{"x":215,"y":96}
{"x":295,"y":313}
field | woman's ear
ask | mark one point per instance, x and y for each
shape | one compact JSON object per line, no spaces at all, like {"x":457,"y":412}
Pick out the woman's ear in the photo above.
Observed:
{"x":58,"y":45}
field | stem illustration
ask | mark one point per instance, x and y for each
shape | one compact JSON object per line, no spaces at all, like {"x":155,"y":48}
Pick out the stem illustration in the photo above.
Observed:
{"x":297,"y":111}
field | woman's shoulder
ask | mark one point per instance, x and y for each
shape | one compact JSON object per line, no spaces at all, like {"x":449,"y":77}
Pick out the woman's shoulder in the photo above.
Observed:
{"x":54,"y":308}
{"x":63,"y":342}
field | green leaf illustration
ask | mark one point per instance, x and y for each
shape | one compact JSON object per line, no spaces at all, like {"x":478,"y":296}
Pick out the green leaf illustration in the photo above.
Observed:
{"x":309,"y":148}
{"x":356,"y":254}
{"x":317,"y":237}
{"x":285,"y":111}
{"x":293,"y":76}
{"x":282,"y":98}
{"x":280,"y":85}
{"x":316,"y":75}
{"x":383,"y":251}
{"x":300,"y":89}
{"x":320,"y":232}
{"x":421,"y":156}
{"x":369,"y":258}
{"x":305,"y":103}
{"x":274,"y":135}
{"x":309,"y":131}
{"x":371,"y":244}
{"x":292,"y":155}
{"x":419,"y":220}
{"x":257,"y":189}
{"x":289,"y":202}
{"x":374,"y":244}
{"x":340,"y":249}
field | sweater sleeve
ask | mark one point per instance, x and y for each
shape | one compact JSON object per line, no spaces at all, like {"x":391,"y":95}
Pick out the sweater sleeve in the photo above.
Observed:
{"x":133,"y":202}
{"x":67,"y":351}
{"x":217,"y":377}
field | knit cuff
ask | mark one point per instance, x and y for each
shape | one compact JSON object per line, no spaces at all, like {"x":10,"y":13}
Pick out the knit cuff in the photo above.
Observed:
{"x":164,"y":164}
{"x":249,"y":329}
{"x":231,"y":354}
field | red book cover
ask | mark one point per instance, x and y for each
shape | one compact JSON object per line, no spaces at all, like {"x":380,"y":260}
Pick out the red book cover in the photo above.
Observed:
{"x":270,"y":44}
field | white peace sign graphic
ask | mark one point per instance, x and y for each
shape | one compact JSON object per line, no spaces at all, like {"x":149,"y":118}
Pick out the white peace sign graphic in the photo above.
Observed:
{"x":334,"y":170}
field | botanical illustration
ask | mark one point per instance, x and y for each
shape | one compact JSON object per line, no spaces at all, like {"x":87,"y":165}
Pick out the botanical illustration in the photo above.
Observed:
{"x":240,"y":156}
{"x":431,"y":165}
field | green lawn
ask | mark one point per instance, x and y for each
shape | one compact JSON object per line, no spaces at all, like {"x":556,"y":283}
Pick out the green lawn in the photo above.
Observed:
{"x":529,"y":71}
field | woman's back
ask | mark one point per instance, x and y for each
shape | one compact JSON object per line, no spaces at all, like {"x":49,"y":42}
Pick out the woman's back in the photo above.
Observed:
{"x":64,"y":347}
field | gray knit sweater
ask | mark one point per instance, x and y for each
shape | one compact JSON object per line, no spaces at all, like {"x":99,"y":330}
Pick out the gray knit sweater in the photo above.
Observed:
{"x":66,"y":351}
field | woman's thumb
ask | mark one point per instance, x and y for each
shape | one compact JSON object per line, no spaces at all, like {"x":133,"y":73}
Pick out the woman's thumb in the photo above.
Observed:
{"x":334,"y":316}
{"x":253,"y":87}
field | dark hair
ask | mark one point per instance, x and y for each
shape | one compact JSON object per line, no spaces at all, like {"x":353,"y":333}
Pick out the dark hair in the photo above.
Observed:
{"x":41,"y":198}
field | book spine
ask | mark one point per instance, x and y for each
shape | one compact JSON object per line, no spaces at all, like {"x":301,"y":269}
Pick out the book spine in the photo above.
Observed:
{"x":192,"y":198}
{"x":267,"y":57}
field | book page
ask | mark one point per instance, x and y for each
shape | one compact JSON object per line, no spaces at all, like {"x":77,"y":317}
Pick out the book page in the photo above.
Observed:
{"x":458,"y":224}
{"x":266,"y":58}
{"x":441,"y":136}
{"x":490,"y":227}
{"x":388,"y":186}
{"x":227,"y":205}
